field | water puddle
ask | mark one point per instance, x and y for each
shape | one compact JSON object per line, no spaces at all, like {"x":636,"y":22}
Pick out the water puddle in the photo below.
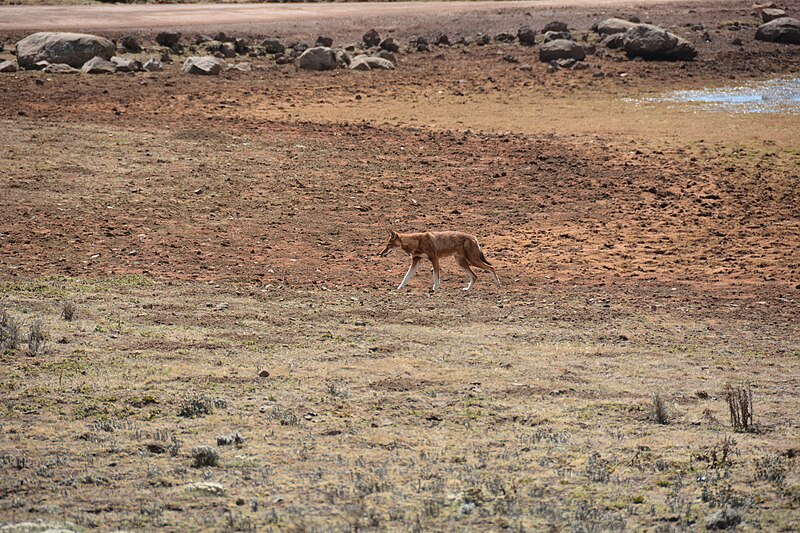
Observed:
{"x":774,"y":96}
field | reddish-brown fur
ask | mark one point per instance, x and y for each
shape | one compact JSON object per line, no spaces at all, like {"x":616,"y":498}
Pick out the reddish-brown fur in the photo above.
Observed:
{"x":436,"y":245}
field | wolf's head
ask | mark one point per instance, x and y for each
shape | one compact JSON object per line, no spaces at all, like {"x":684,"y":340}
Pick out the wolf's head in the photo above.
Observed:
{"x":393,"y":242}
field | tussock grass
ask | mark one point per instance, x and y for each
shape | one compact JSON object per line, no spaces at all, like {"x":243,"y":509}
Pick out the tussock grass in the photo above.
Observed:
{"x":427,"y":432}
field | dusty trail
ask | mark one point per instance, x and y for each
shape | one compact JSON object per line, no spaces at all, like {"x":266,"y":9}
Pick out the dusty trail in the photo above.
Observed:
{"x":335,"y":18}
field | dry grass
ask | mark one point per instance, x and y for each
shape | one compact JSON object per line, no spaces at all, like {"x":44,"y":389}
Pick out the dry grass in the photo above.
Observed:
{"x":498,"y":414}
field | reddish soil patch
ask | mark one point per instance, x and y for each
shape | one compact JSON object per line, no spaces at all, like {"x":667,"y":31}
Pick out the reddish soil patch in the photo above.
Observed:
{"x":268,"y":176}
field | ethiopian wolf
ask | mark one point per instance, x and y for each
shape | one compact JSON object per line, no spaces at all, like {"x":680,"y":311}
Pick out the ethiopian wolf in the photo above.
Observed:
{"x":438,"y":244}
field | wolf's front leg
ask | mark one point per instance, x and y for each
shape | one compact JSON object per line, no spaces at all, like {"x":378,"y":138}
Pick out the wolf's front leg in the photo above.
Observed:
{"x":411,"y":271}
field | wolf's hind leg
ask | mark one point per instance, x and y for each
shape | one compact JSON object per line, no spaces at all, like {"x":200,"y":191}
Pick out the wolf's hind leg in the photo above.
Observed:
{"x":464,"y":264}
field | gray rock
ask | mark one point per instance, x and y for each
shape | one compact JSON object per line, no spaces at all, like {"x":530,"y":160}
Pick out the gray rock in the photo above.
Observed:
{"x":8,"y":66}
{"x":210,"y":488}
{"x":204,"y":65}
{"x":273,"y":46}
{"x":98,"y":65}
{"x":152,"y":65}
{"x":210,"y":47}
{"x":555,"y":26}
{"x":204,"y":456}
{"x":482,"y":39}
{"x":783,"y":30}
{"x":60,"y":68}
{"x":504,"y":37}
{"x":651,"y":42}
{"x":325,"y":42}
{"x":343,"y":58}
{"x":318,"y":58}
{"x":683,"y":51}
{"x":770,"y":14}
{"x":371,"y":38}
{"x":561,"y":49}
{"x":131,"y":44}
{"x":39,"y":65}
{"x":644,"y":40}
{"x":168,"y":38}
{"x":613,"y":40}
{"x":230,"y":439}
{"x":228,"y":49}
{"x":73,"y":49}
{"x":526,"y":36}
{"x":240,"y":46}
{"x":221,"y":37}
{"x":553,"y":35}
{"x":389,"y":45}
{"x":365,"y":62}
{"x":387,"y":55}
{"x":724,"y":519}
{"x":203,"y":39}
{"x":298,"y":48}
{"x":613,"y":25}
{"x":125,"y":64}
{"x":242,"y":67}
{"x":442,"y":40}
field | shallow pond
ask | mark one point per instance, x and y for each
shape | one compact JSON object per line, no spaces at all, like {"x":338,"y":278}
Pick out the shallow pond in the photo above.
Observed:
{"x":774,"y":96}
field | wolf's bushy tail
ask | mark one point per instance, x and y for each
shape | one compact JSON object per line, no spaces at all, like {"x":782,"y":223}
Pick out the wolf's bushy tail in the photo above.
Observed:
{"x":483,"y":257}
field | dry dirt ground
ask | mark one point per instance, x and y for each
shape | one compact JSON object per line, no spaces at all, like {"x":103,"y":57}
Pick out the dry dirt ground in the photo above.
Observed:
{"x":206,"y":229}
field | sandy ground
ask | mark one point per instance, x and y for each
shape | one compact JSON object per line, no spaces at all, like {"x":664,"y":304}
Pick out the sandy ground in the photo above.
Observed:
{"x":210,"y":228}
{"x":341,"y":19}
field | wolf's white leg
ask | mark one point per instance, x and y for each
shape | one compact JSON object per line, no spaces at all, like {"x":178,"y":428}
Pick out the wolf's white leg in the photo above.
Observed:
{"x":471,"y":283}
{"x":435,"y":280}
{"x":410,"y":274}
{"x":496,"y":279}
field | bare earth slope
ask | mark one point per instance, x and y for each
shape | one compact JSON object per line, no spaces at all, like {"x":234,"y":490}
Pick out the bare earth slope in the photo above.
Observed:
{"x":216,"y":238}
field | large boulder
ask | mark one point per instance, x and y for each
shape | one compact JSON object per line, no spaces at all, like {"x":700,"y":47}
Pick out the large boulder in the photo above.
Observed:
{"x":555,"y":26}
{"x":273,"y":46}
{"x":389,"y":45}
{"x":371,"y":38}
{"x":204,"y":65}
{"x":168,"y":38}
{"x":365,"y":62}
{"x":613,"y":40}
{"x":131,"y":44}
{"x":561,"y":49}
{"x":651,"y":42}
{"x":613,"y":25}
{"x":783,"y":30}
{"x":73,"y":49}
{"x":769,"y":14}
{"x":98,"y":65}
{"x":318,"y":58}
{"x":526,"y":36}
